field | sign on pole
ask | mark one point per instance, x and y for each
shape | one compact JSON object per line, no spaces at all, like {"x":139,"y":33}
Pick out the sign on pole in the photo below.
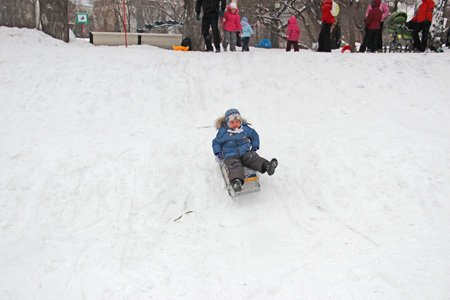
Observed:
{"x":82,"y":18}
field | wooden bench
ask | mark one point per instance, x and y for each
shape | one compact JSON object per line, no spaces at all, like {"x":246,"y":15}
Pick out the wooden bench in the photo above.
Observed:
{"x":160,"y":40}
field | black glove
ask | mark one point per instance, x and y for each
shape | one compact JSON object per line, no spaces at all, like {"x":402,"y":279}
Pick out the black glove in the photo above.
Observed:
{"x":198,"y":16}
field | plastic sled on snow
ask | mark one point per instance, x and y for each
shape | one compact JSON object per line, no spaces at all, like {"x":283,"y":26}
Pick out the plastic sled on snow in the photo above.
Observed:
{"x":264,"y":43}
{"x":251,"y":181}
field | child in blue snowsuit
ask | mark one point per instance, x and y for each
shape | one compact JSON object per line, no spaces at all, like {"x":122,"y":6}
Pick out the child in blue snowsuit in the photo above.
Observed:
{"x":247,"y":32}
{"x":236,"y":144}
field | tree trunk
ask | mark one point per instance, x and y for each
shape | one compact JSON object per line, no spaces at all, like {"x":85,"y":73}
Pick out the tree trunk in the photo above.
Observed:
{"x":192,"y":27}
{"x":54,"y":18}
{"x":351,"y":25}
{"x":18,"y":13}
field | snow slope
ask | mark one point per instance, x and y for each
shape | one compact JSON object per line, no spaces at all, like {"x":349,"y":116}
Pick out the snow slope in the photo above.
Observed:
{"x":109,"y":189}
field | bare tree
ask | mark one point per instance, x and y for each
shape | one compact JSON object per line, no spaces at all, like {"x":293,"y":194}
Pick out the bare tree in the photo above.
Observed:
{"x":53,"y":18}
{"x":106,"y":18}
{"x":274,"y":15}
{"x":18,"y":13}
{"x":192,"y":27}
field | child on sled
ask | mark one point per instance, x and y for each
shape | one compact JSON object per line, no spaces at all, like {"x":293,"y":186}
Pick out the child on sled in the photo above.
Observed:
{"x":236,"y":144}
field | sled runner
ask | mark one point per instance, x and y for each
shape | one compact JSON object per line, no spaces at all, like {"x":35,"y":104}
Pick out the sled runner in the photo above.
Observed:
{"x":251,"y":181}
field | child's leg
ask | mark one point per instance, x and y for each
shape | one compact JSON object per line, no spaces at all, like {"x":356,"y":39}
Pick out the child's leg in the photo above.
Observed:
{"x":288,"y":46}
{"x":234,"y":168}
{"x":252,"y":160}
{"x":295,"y":46}
{"x":226,"y":39}
{"x":245,"y":41}
{"x":233,"y":40}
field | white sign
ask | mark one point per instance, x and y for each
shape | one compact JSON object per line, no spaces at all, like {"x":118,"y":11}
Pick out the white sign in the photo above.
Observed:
{"x":82,"y":18}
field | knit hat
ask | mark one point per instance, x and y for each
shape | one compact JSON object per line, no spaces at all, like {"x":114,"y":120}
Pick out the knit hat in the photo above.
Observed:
{"x":232,"y":114}
{"x":232,"y":5}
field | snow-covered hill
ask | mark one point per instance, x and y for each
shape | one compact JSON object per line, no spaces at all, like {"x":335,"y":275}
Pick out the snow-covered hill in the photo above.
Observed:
{"x":109,"y":189}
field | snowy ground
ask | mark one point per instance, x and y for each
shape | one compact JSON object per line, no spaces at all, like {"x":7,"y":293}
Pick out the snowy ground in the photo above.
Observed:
{"x":109,"y":189}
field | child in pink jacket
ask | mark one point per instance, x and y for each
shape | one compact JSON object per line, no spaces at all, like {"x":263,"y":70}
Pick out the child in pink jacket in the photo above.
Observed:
{"x":231,"y":26}
{"x":292,"y":34}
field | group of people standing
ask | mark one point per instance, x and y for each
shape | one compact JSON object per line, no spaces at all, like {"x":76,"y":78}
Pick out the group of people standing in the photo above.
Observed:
{"x":376,"y":14}
{"x":233,"y":27}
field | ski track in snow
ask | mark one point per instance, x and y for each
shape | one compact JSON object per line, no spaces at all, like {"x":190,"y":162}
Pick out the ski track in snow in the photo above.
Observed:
{"x":109,"y":189}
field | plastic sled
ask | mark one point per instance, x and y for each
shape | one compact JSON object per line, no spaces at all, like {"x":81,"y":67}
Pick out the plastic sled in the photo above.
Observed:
{"x":251,"y":181}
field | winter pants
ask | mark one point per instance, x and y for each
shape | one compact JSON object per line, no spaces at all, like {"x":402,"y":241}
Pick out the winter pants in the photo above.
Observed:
{"x":289,"y":44}
{"x":229,"y":38}
{"x":235,"y":164}
{"x":371,"y":38}
{"x":423,"y":27}
{"x":245,"y":41}
{"x":211,"y":20}
{"x":380,"y":37}
{"x":325,"y":38}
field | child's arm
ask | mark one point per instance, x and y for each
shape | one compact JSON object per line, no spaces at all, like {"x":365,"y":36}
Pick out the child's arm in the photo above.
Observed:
{"x":254,"y":138}
{"x":217,"y":142}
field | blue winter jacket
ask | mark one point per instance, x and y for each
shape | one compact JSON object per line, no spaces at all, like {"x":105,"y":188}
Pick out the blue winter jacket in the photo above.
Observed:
{"x":247,"y":30}
{"x":231,"y":144}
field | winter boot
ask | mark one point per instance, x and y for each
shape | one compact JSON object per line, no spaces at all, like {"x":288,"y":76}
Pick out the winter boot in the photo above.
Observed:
{"x":236,"y":184}
{"x":271,"y":166}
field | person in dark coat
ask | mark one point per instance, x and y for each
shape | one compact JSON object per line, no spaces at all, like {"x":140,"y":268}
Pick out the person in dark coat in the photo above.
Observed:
{"x":327,"y":21}
{"x":372,"y":23}
{"x":212,"y":9}
{"x":236,"y":144}
{"x":336,"y":36}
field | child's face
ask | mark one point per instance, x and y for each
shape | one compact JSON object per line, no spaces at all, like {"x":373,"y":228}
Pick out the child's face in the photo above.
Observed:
{"x":236,"y":123}
{"x":233,"y":10}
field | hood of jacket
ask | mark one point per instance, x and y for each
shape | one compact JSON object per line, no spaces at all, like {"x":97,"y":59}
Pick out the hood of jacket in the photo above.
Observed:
{"x":376,"y":3}
{"x":292,"y":20}
{"x":244,"y":21}
{"x":229,"y":10}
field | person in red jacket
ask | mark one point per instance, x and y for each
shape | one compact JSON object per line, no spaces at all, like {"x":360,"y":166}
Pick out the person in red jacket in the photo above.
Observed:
{"x":327,"y":21}
{"x":292,"y":34}
{"x":422,"y":22}
{"x":231,"y":26}
{"x":372,"y":23}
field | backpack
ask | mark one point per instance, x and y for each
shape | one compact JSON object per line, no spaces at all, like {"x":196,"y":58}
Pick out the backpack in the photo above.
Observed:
{"x":186,"y":42}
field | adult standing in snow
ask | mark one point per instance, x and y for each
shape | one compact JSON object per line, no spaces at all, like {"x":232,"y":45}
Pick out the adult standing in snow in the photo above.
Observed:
{"x":422,"y":22}
{"x":384,"y":15}
{"x":212,"y":9}
{"x":292,"y":34}
{"x":372,"y":23}
{"x":384,"y":8}
{"x":327,"y":21}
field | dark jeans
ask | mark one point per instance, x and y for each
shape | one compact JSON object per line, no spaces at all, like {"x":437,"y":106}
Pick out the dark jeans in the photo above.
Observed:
{"x":380,"y":37}
{"x":289,"y":44}
{"x":251,"y":160}
{"x":371,"y":38}
{"x":423,"y":27}
{"x":211,"y":20}
{"x":325,"y":38}
{"x":245,"y":41}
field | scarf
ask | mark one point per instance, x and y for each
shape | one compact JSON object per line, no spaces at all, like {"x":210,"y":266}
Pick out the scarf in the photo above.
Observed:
{"x":235,"y":131}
